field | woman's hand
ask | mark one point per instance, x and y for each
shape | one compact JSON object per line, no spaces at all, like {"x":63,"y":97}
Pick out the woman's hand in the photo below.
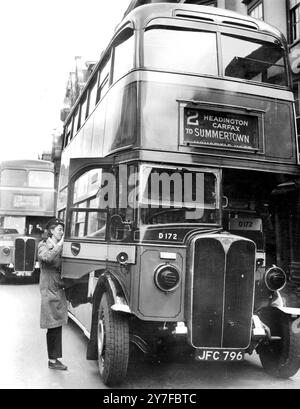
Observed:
{"x":61,"y":241}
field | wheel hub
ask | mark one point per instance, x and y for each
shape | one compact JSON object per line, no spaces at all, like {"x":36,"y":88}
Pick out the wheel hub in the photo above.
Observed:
{"x":101,"y":346}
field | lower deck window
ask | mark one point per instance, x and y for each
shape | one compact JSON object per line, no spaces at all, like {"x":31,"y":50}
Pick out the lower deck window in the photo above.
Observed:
{"x":86,"y":223}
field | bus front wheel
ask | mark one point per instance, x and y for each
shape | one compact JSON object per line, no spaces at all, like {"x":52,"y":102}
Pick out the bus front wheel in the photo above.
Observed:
{"x":281,"y":358}
{"x":113,"y":343}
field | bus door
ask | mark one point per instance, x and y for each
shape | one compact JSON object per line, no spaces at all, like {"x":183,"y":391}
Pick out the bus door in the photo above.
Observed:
{"x":85,"y":247}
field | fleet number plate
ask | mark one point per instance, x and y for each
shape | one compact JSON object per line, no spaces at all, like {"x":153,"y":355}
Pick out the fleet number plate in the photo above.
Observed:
{"x":220,"y":356}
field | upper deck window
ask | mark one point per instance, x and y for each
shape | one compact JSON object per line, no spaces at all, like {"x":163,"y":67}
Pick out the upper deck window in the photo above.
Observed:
{"x":92,"y":95}
{"x":40,"y":179}
{"x":76,"y":122}
{"x":103,"y":81}
{"x":68,"y":131}
{"x":83,"y":110}
{"x":181,"y":50}
{"x":295,"y":22}
{"x":13,"y":177}
{"x":253,"y":60}
{"x":123,"y":55}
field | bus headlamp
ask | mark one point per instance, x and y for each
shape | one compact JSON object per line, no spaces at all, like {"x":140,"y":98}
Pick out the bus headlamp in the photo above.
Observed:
{"x":167,"y":278}
{"x":275,"y":279}
{"x":6,"y":251}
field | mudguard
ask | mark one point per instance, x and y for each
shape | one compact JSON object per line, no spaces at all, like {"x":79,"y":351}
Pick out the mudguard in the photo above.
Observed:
{"x":287,"y":300}
{"x":107,"y":283}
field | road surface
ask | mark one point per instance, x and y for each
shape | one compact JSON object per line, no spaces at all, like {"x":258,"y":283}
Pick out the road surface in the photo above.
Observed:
{"x":24,"y":358}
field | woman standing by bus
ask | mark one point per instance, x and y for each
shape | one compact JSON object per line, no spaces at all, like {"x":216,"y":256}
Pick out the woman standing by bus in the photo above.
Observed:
{"x":54,"y":311}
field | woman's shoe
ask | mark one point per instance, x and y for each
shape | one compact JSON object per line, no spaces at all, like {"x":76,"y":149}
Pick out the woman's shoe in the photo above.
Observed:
{"x":59,"y":366}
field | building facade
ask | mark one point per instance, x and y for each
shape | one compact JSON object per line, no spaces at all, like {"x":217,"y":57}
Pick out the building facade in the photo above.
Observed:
{"x":75,"y":84}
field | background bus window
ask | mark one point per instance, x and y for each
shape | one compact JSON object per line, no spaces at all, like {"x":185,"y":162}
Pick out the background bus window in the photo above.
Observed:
{"x":13,"y":177}
{"x":181,"y":50}
{"x":40,"y":179}
{"x":123,"y":55}
{"x":11,"y":222}
{"x":253,"y":60}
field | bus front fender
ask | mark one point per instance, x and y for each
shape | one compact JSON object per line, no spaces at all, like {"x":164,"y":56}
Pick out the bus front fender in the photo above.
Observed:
{"x":107,"y":283}
{"x":120,"y":303}
{"x":287,"y":301}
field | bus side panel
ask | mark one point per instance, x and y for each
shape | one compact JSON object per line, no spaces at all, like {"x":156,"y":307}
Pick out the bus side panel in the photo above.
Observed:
{"x":112,"y":126}
{"x":150,"y":303}
{"x":121,"y":117}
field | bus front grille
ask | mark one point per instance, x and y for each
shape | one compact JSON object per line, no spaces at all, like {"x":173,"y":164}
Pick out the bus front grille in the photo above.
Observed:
{"x":222,"y":292}
{"x":25,"y":254}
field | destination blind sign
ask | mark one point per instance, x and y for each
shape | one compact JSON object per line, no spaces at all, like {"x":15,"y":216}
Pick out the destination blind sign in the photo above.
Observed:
{"x":226,"y":129}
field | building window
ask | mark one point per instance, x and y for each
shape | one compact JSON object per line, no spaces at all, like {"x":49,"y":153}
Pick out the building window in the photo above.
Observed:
{"x":256,"y":10}
{"x":295,"y":23}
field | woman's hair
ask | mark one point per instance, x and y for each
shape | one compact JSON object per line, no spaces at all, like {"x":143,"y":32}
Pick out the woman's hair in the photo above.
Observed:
{"x":49,"y":232}
{"x":51,"y":227}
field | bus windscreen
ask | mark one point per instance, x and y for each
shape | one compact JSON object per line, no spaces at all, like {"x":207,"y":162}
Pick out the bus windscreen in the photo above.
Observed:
{"x":178,"y":196}
{"x":181,"y":50}
{"x":253,"y":60}
{"x":188,"y":51}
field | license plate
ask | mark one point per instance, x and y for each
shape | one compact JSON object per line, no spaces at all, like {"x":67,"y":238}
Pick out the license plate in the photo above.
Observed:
{"x":208,"y":355}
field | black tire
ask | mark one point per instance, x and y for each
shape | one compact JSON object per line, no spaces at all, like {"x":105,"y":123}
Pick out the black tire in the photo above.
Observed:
{"x":281,"y":358}
{"x":113,"y":343}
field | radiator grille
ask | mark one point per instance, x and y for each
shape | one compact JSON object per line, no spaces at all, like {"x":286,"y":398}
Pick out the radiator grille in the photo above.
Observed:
{"x":25,"y":254}
{"x":238,"y":295}
{"x":222,"y":293}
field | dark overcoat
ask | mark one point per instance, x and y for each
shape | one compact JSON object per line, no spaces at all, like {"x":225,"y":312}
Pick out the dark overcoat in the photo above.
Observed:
{"x":54,"y":309}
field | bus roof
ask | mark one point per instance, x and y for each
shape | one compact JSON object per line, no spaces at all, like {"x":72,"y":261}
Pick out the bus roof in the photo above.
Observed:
{"x":27,"y":164}
{"x":145,"y":13}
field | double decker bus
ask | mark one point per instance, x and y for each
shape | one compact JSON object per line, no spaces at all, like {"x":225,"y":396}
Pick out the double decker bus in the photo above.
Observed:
{"x":27,"y":203}
{"x":179,"y":186}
